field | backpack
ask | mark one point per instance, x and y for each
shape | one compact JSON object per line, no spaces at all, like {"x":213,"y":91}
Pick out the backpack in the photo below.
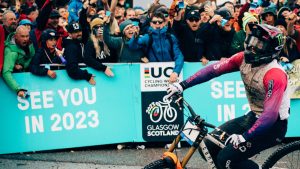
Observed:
{"x":150,"y":43}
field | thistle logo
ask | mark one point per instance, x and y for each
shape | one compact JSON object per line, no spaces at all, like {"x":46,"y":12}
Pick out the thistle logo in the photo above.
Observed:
{"x":157,"y":72}
{"x":161,"y":110}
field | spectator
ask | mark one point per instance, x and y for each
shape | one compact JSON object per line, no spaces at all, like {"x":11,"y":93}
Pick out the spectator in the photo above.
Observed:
{"x":204,"y":15}
{"x":158,"y":47}
{"x":96,"y":51}
{"x":9,"y":22}
{"x":47,"y":19}
{"x":63,"y":12}
{"x":120,"y":13}
{"x":74,"y":50}
{"x":289,"y":53}
{"x":9,"y":26}
{"x":220,"y":36}
{"x":18,"y":54}
{"x":48,"y":54}
{"x":74,"y":9}
{"x":120,"y":44}
{"x":191,"y":36}
{"x":268,"y":15}
{"x":74,"y":47}
{"x":30,"y":13}
{"x":238,"y":40}
{"x":293,"y":30}
{"x":130,"y":14}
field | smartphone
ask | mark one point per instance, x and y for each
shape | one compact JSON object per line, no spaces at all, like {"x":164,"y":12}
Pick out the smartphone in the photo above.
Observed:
{"x":107,"y":13}
{"x":181,"y":5}
{"x":253,"y":5}
{"x":223,"y":22}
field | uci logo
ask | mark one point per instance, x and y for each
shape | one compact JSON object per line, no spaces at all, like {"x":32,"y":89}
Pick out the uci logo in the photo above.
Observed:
{"x":161,"y":110}
{"x":157,"y":72}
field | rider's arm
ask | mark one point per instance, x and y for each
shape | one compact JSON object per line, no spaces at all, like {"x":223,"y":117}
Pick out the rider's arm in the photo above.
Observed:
{"x":214,"y":70}
{"x":275,"y":84}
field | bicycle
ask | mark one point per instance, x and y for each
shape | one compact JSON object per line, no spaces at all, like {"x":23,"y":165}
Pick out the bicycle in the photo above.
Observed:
{"x":195,"y":130}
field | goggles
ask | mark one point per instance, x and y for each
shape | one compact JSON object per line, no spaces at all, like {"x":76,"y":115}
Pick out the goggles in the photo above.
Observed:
{"x":255,"y":43}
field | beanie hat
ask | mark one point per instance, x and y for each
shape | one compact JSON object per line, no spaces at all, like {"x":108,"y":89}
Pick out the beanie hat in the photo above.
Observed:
{"x":124,"y":24}
{"x":96,"y":21}
{"x":25,"y":22}
{"x":247,"y":17}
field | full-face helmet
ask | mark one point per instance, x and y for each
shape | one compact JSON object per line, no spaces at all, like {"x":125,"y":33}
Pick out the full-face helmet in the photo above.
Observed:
{"x":263,"y":44}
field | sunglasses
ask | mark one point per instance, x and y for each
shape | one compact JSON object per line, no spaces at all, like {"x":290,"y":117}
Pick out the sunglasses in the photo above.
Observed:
{"x":252,"y":23}
{"x":193,"y":19}
{"x":157,"y":22}
{"x":98,"y":27}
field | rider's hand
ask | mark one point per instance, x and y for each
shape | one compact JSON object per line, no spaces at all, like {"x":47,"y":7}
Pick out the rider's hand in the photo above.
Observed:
{"x":235,"y":139}
{"x":172,"y":89}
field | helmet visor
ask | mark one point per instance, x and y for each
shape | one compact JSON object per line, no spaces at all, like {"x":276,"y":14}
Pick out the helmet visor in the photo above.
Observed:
{"x":255,"y":43}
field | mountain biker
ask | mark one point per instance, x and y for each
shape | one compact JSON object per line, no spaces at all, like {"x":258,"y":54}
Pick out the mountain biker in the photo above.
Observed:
{"x":267,"y":92}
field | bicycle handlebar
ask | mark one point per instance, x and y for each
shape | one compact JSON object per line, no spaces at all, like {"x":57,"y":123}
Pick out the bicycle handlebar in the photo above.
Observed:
{"x":196,"y":118}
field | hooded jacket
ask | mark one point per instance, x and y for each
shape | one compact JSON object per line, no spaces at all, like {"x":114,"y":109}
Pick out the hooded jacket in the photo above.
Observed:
{"x":74,"y":8}
{"x":15,"y":55}
{"x":125,"y":54}
{"x":74,"y":50}
{"x":160,"y":50}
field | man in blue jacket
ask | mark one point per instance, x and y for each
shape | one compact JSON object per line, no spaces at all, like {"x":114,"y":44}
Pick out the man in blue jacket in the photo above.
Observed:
{"x":160,"y":45}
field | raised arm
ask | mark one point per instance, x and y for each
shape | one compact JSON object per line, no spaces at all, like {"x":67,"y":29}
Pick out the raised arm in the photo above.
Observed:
{"x":214,"y":70}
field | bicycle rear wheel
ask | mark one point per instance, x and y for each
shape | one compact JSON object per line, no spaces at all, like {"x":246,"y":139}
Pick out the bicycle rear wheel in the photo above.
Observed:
{"x":286,"y":157}
{"x":160,"y":164}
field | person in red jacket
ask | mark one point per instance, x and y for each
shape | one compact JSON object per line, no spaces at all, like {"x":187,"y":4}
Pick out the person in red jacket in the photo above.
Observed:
{"x":9,"y":26}
{"x":47,"y":19}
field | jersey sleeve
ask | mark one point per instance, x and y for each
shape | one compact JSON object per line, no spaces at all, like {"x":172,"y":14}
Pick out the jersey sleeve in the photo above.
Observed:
{"x":214,"y":70}
{"x":275,"y":84}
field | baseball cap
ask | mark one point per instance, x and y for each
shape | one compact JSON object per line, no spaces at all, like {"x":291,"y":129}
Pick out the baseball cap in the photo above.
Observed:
{"x":74,"y":27}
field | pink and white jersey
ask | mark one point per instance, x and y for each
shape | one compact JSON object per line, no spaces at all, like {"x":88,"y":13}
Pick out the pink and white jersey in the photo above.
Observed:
{"x":266,"y":89}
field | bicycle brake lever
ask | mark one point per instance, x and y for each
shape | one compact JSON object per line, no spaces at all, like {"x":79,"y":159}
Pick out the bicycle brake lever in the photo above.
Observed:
{"x":177,"y":102}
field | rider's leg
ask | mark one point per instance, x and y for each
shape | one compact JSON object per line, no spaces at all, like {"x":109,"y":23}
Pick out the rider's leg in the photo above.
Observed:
{"x":237,"y":158}
{"x":235,"y":126}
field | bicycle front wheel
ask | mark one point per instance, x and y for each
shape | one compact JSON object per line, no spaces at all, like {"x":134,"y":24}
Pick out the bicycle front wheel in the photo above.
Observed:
{"x":286,"y":157}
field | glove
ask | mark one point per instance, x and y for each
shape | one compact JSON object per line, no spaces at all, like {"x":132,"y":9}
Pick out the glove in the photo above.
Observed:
{"x":235,"y":139}
{"x":172,"y":89}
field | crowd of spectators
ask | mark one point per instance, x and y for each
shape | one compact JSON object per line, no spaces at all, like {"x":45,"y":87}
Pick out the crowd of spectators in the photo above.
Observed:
{"x":42,"y":36}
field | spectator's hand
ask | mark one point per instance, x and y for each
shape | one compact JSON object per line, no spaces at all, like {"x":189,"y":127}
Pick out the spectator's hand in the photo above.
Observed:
{"x":59,"y":52}
{"x":92,"y":80}
{"x":144,"y":59}
{"x":173,"y":89}
{"x":86,"y":4}
{"x":51,"y":74}
{"x":93,"y":1}
{"x":292,"y":18}
{"x":108,"y":72}
{"x":18,"y":67}
{"x":209,"y":9}
{"x":106,"y":19}
{"x":204,"y":61}
{"x":284,"y":59}
{"x":156,"y":2}
{"x":22,"y":93}
{"x":173,"y":77}
{"x":216,"y":18}
{"x":235,"y":139}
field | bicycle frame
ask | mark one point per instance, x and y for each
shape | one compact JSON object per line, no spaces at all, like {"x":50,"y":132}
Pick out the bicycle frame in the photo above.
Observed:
{"x":195,"y":123}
